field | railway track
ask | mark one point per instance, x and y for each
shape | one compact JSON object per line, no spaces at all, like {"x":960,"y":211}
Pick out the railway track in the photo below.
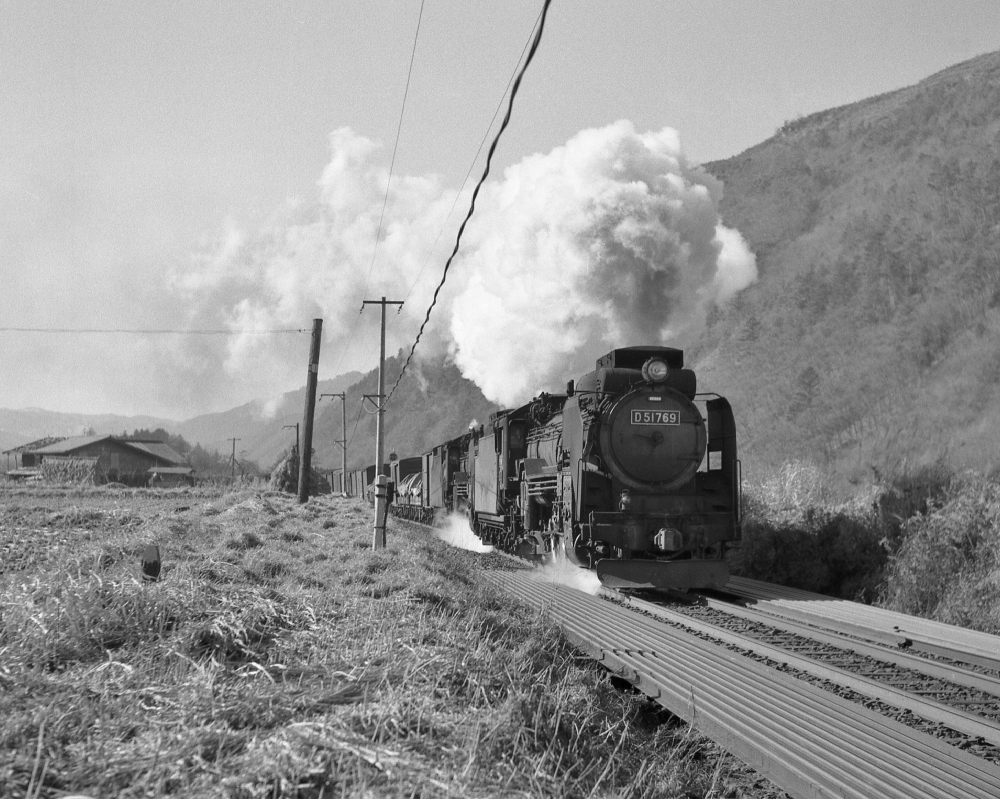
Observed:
{"x":810,"y":741}
{"x":949,"y":702}
{"x":826,"y":698}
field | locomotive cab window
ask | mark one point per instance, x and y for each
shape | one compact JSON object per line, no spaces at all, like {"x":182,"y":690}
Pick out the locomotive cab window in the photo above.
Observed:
{"x":517,"y":435}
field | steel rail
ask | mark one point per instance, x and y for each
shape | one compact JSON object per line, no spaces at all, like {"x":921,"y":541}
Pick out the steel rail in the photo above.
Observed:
{"x":958,"y":720}
{"x":888,"y":654}
{"x":874,"y":624}
{"x":809,"y":742}
{"x":644,"y":648}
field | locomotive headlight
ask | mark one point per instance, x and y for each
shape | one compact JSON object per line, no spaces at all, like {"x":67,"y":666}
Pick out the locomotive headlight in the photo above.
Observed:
{"x":655,"y":370}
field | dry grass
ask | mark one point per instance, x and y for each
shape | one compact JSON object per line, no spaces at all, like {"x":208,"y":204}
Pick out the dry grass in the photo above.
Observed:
{"x":279,"y":656}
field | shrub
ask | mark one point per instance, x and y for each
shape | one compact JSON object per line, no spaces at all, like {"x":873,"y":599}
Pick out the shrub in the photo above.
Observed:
{"x":795,"y":535}
{"x":947,"y":566}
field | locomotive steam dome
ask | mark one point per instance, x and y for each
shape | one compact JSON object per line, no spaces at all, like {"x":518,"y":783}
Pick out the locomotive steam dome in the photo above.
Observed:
{"x":653,"y":439}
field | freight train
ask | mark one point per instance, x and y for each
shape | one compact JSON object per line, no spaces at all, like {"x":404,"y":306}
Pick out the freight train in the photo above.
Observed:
{"x":630,"y":472}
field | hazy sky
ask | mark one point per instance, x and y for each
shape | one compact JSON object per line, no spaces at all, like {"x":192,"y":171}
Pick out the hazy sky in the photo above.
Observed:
{"x":139,"y":141}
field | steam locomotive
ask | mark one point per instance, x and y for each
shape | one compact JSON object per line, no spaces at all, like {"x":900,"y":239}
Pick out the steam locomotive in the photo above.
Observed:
{"x":630,"y":472}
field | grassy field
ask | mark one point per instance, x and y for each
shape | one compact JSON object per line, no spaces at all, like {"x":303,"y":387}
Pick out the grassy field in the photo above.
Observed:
{"x":279,"y":656}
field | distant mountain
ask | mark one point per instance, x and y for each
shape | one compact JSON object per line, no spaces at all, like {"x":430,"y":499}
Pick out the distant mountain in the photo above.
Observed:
{"x":872,"y":339}
{"x":258,"y":425}
{"x":432,"y":404}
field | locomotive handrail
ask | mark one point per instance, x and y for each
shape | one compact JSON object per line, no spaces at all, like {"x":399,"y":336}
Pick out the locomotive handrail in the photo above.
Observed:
{"x":738,"y":490}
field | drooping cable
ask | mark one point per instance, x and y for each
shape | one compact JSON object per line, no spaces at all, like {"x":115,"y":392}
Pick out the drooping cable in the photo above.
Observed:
{"x":475,"y":192}
{"x":482,"y":143}
{"x":151,"y":332}
{"x":385,"y":199}
{"x":472,"y":165}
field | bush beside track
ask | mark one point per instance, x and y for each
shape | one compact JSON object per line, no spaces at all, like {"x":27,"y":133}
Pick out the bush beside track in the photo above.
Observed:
{"x":925,"y":543}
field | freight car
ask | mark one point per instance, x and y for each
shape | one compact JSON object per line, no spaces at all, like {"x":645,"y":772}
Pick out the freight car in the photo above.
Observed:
{"x":630,"y":472}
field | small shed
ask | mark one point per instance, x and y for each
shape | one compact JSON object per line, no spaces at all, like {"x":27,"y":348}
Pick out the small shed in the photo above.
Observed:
{"x":106,"y":459}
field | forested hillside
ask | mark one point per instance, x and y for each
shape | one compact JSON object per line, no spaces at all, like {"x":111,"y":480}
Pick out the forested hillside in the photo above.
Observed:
{"x":432,"y":404}
{"x":872,"y":338}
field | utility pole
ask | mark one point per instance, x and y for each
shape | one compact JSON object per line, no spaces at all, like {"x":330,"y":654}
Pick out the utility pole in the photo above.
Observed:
{"x":342,"y":442}
{"x":234,"y":440}
{"x":381,"y":491}
{"x":305,"y":454}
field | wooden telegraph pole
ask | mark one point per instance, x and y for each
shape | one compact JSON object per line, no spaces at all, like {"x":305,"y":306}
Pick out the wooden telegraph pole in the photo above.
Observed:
{"x":234,"y":440}
{"x":305,"y":451}
{"x":342,"y":442}
{"x":382,"y":479}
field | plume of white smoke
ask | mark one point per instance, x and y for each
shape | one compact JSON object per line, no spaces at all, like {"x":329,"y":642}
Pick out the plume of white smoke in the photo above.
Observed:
{"x":454,"y":529}
{"x":611,"y":240}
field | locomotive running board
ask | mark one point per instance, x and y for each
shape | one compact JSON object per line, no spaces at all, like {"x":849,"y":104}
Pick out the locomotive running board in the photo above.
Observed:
{"x":662,"y":575}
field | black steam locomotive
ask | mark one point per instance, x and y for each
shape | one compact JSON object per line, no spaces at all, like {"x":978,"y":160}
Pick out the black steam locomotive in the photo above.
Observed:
{"x":631,"y":472}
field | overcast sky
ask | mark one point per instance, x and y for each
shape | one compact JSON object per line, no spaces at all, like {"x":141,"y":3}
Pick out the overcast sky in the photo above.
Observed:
{"x":142,"y":142}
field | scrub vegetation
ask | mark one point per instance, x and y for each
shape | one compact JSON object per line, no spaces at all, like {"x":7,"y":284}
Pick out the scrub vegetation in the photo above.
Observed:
{"x":278,"y":655}
{"x":925,"y":543}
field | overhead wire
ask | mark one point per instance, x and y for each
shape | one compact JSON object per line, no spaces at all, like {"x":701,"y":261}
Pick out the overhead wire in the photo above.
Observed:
{"x":152,"y":332}
{"x":475,"y":192}
{"x":388,"y":184}
{"x":472,"y":165}
{"x":475,"y":158}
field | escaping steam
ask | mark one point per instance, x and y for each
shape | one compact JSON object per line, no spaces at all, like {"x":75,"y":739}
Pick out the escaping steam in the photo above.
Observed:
{"x":563,"y":572}
{"x":612,"y":239}
{"x":454,"y":530}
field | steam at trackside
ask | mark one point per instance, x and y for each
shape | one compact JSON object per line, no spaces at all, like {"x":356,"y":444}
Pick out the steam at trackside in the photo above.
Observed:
{"x":610,"y":239}
{"x":454,"y":529}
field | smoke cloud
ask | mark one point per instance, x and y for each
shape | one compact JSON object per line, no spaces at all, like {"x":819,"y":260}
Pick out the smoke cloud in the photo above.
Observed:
{"x":612,"y":239}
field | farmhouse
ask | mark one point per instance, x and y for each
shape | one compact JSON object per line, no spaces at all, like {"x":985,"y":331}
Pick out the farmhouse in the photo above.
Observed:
{"x":106,"y":459}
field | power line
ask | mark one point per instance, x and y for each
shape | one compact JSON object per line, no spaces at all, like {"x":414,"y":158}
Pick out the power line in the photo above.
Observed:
{"x":157,"y":332}
{"x":430,"y":254}
{"x":475,"y":158}
{"x":388,"y":184}
{"x":395,"y":146}
{"x":475,"y":192}
{"x":472,"y":165}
